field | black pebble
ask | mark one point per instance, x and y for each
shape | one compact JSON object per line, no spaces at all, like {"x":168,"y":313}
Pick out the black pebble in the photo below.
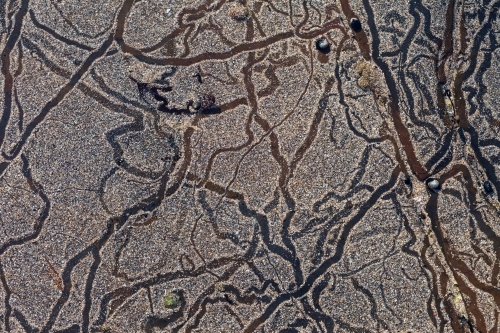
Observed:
{"x":431,"y":184}
{"x":323,"y":46}
{"x":355,"y":25}
{"x":408,"y":181}
{"x":488,"y":188}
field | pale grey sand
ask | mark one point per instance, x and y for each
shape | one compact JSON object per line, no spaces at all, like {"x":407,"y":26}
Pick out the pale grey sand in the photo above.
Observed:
{"x":253,"y":166}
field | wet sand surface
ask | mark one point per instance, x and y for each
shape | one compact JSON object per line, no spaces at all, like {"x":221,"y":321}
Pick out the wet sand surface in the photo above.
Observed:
{"x":249,"y":166}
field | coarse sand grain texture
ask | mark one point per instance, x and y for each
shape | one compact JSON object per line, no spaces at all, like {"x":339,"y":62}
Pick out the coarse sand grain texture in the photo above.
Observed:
{"x":249,"y":166}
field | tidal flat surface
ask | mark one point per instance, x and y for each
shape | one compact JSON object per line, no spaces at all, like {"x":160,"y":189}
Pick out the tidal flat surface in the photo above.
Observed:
{"x":249,"y":166}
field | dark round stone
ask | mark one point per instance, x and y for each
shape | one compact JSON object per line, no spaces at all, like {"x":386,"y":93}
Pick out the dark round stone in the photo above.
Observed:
{"x":407,"y":181}
{"x":488,"y":188}
{"x":433,"y":184}
{"x":197,"y":105}
{"x":322,"y":45}
{"x":355,"y":24}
